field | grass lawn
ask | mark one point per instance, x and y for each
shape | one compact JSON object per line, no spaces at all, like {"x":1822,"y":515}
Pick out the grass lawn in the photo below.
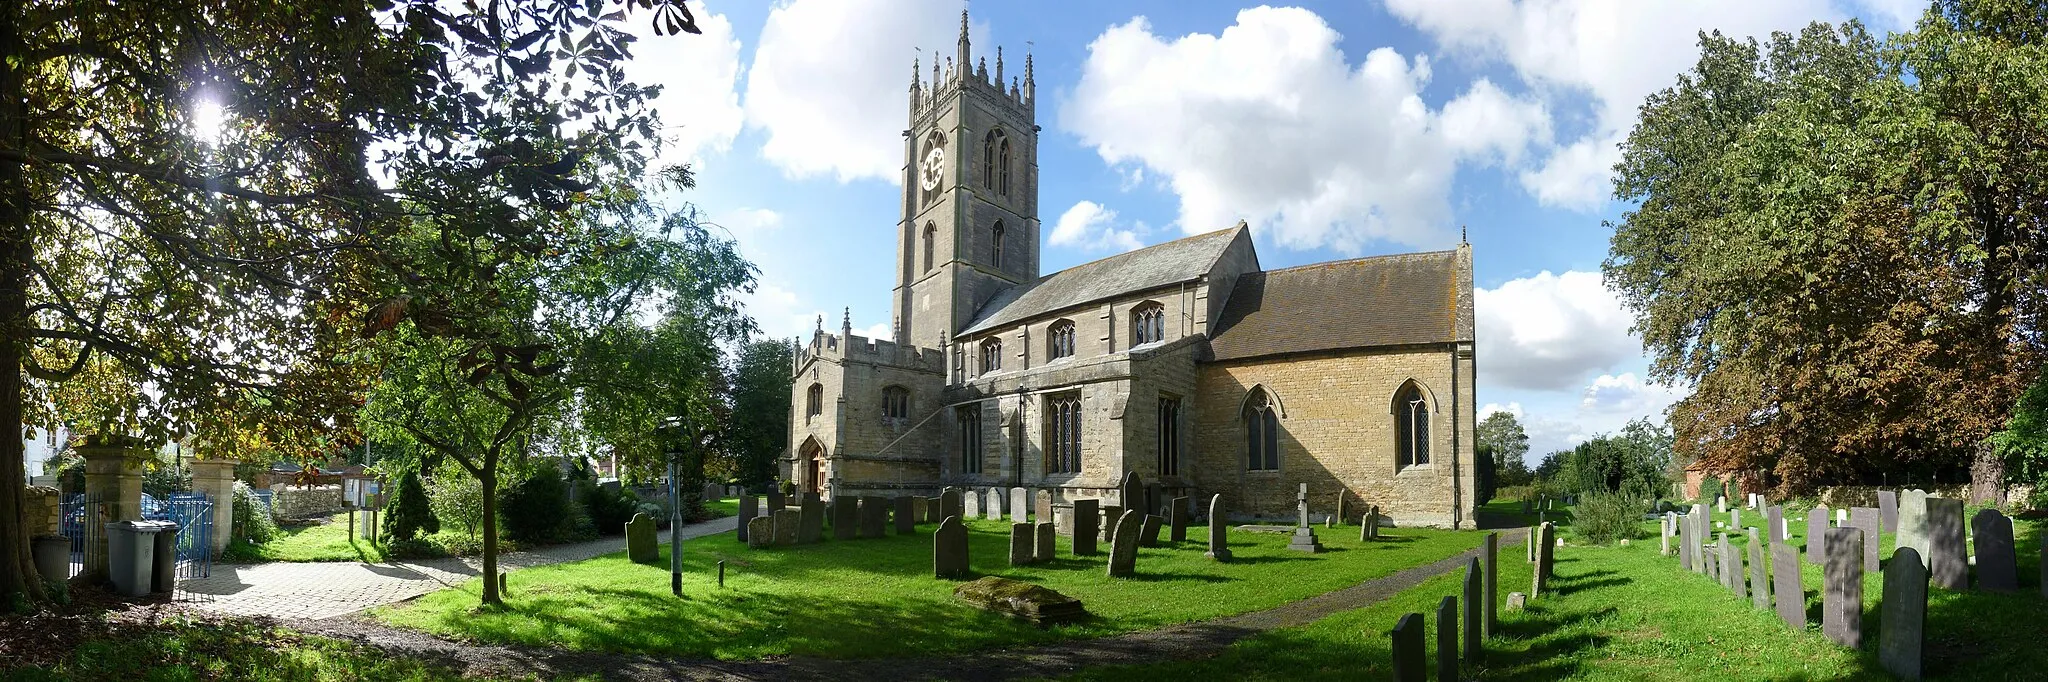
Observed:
{"x":1625,"y":613}
{"x":327,"y":541}
{"x":876,"y":598}
{"x":178,"y":648}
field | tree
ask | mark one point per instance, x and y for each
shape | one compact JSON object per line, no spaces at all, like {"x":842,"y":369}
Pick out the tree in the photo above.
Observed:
{"x":1837,"y":243}
{"x":760,"y":411}
{"x":1512,"y":472}
{"x":1504,"y":433}
{"x":1484,"y":475}
{"x":410,"y":514}
{"x":1631,"y":460}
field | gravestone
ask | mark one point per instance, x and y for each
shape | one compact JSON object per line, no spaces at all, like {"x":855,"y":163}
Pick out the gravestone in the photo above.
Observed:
{"x":974,"y":504}
{"x":788,"y":523}
{"x":1369,"y":525}
{"x":874,"y":517}
{"x":1023,"y":544}
{"x":1786,"y":589}
{"x":1177,"y":517}
{"x":1664,"y":534}
{"x":1735,"y":518}
{"x":932,"y":505}
{"x":1342,"y":508}
{"x":775,"y":501}
{"x":949,"y":549}
{"x":1721,"y":503}
{"x":1841,"y":605}
{"x":1702,"y":527}
{"x":920,"y":510}
{"x":1472,"y":609}
{"x":1086,"y":520}
{"x":1913,"y":524}
{"x":811,"y":519}
{"x":1516,"y":601}
{"x":1774,"y":522}
{"x":1731,"y":567}
{"x":1048,"y":542}
{"x":1019,"y":599}
{"x":1545,"y":547}
{"x":1816,"y":535}
{"x":1131,"y":493}
{"x":1041,"y":508}
{"x":992,"y":508}
{"x":905,"y":516}
{"x":1841,"y":518}
{"x":1868,"y":520}
{"x":1489,"y":563}
{"x":1946,"y":558}
{"x":1447,"y":639}
{"x":1997,"y":568}
{"x":950,"y":505}
{"x":1148,"y":536}
{"x":1123,"y":545}
{"x":1110,"y":514}
{"x":1219,"y":547}
{"x":1154,"y":499}
{"x":713,"y":491}
{"x":1902,"y":624}
{"x":750,"y":507}
{"x":760,"y":532}
{"x":640,"y":544}
{"x":1525,"y":508}
{"x":1304,"y":535}
{"x":1888,"y":510}
{"x":1020,"y":505}
{"x":1408,"y":653}
{"x":1534,"y":535}
{"x":845,"y":517}
{"x":1759,"y":580}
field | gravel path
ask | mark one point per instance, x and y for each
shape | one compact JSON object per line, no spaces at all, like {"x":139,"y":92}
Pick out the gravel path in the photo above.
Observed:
{"x":1180,"y":642}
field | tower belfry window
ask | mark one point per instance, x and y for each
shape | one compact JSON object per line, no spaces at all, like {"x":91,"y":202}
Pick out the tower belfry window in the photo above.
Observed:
{"x":995,"y":245}
{"x":931,"y":238}
{"x":1003,"y":166}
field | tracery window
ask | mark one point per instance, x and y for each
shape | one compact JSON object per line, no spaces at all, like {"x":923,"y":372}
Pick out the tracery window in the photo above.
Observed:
{"x":1059,"y":339}
{"x":1261,"y":432}
{"x":1411,"y":427}
{"x":1063,"y":434}
{"x":1148,"y":323}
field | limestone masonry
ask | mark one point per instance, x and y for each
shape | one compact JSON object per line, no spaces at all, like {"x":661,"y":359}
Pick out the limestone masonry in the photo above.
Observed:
{"x":1184,"y":363}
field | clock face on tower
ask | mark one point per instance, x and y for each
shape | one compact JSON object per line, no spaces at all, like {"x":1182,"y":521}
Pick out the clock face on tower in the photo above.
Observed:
{"x":933,"y":167}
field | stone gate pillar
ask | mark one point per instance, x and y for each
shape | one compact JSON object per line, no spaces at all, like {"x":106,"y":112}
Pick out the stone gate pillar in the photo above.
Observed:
{"x":216,"y":478}
{"x":113,"y":473}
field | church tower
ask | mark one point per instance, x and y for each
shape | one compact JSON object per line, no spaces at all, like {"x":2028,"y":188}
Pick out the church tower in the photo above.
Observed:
{"x":970,"y":194}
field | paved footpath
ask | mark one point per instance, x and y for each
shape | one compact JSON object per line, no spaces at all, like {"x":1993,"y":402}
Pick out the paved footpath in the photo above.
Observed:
{"x":328,"y":589}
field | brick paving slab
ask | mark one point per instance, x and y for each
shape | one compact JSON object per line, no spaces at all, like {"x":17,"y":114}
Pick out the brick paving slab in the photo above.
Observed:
{"x":328,"y":589}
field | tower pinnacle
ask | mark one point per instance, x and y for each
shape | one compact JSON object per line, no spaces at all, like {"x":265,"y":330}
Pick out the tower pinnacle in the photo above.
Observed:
{"x":964,"y":61}
{"x":999,"y":67}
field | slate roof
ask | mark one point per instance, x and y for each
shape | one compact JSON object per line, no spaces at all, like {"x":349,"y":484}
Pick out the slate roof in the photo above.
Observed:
{"x":1379,"y":301}
{"x":1181,"y":260}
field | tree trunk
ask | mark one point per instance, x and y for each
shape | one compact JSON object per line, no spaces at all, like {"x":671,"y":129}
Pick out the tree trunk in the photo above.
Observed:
{"x":17,"y":567}
{"x":1987,"y":476}
{"x":489,"y":480}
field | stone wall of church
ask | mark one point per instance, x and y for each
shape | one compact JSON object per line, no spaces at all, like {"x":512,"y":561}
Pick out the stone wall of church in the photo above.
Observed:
{"x":1337,"y":434}
{"x":866,"y":452}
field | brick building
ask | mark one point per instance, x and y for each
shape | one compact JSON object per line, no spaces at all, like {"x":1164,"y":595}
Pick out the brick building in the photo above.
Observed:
{"x":1183,"y":362}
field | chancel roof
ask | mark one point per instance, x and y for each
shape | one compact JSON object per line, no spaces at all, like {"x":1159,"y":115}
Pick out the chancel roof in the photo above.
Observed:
{"x":1405,"y":299}
{"x":1182,"y":260}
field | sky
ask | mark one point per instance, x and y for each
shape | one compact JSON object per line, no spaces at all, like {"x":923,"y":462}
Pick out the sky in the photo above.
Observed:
{"x":1334,"y":129}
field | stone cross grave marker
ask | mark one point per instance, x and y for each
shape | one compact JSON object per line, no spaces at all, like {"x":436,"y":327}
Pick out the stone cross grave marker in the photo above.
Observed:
{"x":811,"y":519}
{"x":1888,"y":510}
{"x":1023,"y":544}
{"x":1304,"y":535}
{"x":760,"y":532}
{"x":1868,"y":520}
{"x":1945,"y":552}
{"x":1177,"y":518}
{"x":1472,"y":609}
{"x":1409,"y":665}
{"x":1087,"y":522}
{"x":1123,"y":544}
{"x":1219,"y":546}
{"x":905,"y":516}
{"x":640,"y":545}
{"x":1842,"y":588}
{"x":1902,"y":618}
{"x":1020,"y":505}
{"x":1759,"y":579}
{"x":1447,"y":639}
{"x":874,"y":517}
{"x":750,"y":507}
{"x":1786,"y":588}
{"x":1489,"y":563}
{"x":1913,"y":523}
{"x":1048,"y":542}
{"x":1997,"y":559}
{"x":845,"y":516}
{"x":949,"y":549}
{"x":1816,"y":535}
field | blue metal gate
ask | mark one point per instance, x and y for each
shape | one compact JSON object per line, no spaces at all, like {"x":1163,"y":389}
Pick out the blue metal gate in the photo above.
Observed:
{"x":194,"y":515}
{"x":84,"y":522}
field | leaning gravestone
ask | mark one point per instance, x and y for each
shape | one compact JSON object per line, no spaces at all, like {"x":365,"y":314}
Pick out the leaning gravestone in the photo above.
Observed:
{"x":1888,"y":510}
{"x":1489,"y":562}
{"x":1841,"y":605}
{"x":974,"y":504}
{"x":874,"y":517}
{"x":640,"y":544}
{"x":811,"y":521}
{"x":1774,"y":519}
{"x":1048,"y":542}
{"x":906,"y":515}
{"x":1110,"y":513}
{"x":1545,"y":548}
{"x":788,"y":523}
{"x":949,"y":504}
{"x":1131,"y":492}
{"x":1786,"y":588}
{"x":1023,"y":539}
{"x":845,"y":517}
{"x":1472,"y":608}
{"x":1913,"y":523}
{"x":1219,"y":546}
{"x":760,"y":532}
{"x":750,"y":507}
{"x":1154,"y":498}
{"x":1902,"y":624}
{"x":1020,"y":505}
{"x":1149,"y":536}
{"x":1123,"y":545}
{"x":1868,"y":520}
{"x":1946,"y":555}
{"x":1759,"y":582}
{"x":1447,"y":639}
{"x":949,"y":549}
{"x":1177,"y":517}
{"x":1041,"y":507}
{"x":1409,"y":664}
{"x":1087,"y":518}
{"x":1816,"y":535}
{"x":1997,"y":569}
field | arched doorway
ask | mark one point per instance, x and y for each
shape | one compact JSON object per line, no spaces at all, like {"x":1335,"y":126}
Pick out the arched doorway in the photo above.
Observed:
{"x":812,"y":458}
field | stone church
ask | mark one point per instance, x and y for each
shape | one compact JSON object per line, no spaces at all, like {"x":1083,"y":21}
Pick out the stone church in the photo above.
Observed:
{"x":1184,"y":362}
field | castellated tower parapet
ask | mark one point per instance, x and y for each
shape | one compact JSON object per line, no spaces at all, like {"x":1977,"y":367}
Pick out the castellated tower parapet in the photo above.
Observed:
{"x":963,"y":75}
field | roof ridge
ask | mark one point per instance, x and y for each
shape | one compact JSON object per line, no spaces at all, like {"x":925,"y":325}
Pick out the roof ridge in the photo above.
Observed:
{"x":1362,"y":259}
{"x":1239,"y":226}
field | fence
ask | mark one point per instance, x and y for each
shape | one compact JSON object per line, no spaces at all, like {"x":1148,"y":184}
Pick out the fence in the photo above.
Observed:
{"x":85,"y":517}
{"x":85,"y":522}
{"x":194,"y":515}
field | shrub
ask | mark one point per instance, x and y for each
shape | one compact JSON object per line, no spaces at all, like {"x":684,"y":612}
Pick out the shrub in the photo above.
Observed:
{"x":1710,"y":489}
{"x":456,"y":497}
{"x":1515,"y":492}
{"x":252,"y":524}
{"x":537,"y":510}
{"x":410,"y":514}
{"x":609,"y":509}
{"x":1603,"y":517}
{"x":161,"y":480}
{"x":1734,"y":491}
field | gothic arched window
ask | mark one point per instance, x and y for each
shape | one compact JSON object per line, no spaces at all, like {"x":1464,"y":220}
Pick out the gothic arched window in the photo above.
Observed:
{"x":991,"y":158}
{"x":1411,"y":427}
{"x":1148,"y":323}
{"x":1063,"y":434}
{"x":814,"y":401}
{"x":1003,"y":165}
{"x":996,"y":245}
{"x":895,"y":403}
{"x":1059,"y":339}
{"x":931,"y":239}
{"x":1261,"y":432}
{"x":991,"y":355}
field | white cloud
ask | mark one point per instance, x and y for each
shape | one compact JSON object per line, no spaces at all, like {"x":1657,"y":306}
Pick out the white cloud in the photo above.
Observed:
{"x":1510,"y":408}
{"x":1269,"y":122}
{"x":1088,"y":225}
{"x":747,"y":224}
{"x":1548,"y":332}
{"x":879,"y":331}
{"x":830,"y":82}
{"x":699,"y":103}
{"x":1628,"y":397}
{"x":779,"y":312}
{"x":1616,"y":52}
